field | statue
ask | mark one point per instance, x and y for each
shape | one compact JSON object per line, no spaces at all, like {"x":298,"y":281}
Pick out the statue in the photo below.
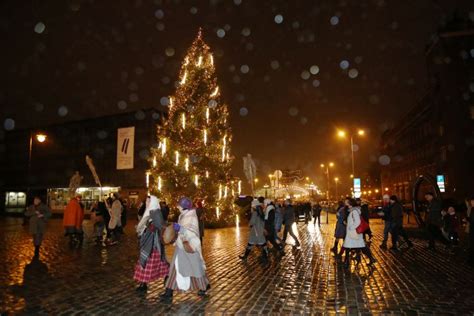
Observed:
{"x":250,"y":170}
{"x":75,"y":183}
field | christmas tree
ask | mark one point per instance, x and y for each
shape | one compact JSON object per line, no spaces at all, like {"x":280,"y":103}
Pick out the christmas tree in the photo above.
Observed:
{"x":193,"y":155}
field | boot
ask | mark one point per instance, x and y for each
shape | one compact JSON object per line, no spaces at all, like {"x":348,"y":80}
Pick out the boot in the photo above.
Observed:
{"x":347,"y":259}
{"x":142,"y":287}
{"x":246,"y":254}
{"x":334,"y":249}
{"x":368,"y":253}
{"x":358,"y":258}
{"x":37,"y":251}
{"x":409,"y":244}
{"x":383,"y":245}
{"x":167,"y":295}
{"x":264,"y":257}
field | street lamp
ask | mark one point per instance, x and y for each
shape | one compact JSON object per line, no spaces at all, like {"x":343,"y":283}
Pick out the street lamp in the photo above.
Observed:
{"x":327,"y":166}
{"x":336,"y":179}
{"x":342,"y":134}
{"x":40,"y":138}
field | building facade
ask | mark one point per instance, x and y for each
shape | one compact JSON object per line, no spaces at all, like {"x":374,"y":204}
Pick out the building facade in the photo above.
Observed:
{"x":436,"y":138}
{"x":30,"y":167}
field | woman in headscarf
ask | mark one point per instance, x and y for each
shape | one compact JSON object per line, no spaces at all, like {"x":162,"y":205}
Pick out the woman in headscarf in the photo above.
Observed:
{"x":187,"y":271}
{"x":256,"y":233}
{"x":152,"y":264}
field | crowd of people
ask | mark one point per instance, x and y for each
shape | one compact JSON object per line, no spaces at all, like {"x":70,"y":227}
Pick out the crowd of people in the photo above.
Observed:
{"x":270,"y":224}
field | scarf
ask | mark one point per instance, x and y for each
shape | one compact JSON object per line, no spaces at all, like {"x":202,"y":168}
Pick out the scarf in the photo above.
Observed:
{"x":154,"y":204}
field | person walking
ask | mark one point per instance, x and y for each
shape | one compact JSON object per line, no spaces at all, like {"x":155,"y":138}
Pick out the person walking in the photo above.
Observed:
{"x":396,"y":213}
{"x":98,"y":214}
{"x":317,"y":213}
{"x":340,"y":231}
{"x":270,"y":226}
{"x":256,"y":233}
{"x":72,"y":221}
{"x":278,"y":221}
{"x":152,"y":264}
{"x":387,"y":218}
{"x":38,"y":214}
{"x":187,"y":270}
{"x":355,"y":240}
{"x":434,"y":221}
{"x":115,"y":224}
{"x":365,"y":213}
{"x":289,"y":220}
{"x":451,"y":227}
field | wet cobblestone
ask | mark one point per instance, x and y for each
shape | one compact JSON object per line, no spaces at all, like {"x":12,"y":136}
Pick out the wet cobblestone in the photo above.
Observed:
{"x":95,"y":280}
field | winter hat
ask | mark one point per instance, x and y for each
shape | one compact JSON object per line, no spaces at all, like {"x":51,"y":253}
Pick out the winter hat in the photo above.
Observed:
{"x":255,"y":203}
{"x":185,"y":203}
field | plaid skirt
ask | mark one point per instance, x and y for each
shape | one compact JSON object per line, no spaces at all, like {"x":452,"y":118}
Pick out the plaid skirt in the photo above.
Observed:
{"x":154,"y":269}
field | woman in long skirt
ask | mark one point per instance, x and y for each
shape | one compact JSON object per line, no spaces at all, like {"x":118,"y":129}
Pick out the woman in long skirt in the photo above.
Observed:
{"x":152,"y":264}
{"x":188,"y":270}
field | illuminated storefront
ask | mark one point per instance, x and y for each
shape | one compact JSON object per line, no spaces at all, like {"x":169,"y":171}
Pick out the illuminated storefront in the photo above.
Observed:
{"x":15,"y":202}
{"x":59,"y":197}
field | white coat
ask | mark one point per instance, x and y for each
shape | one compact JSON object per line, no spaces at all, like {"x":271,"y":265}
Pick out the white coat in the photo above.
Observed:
{"x":115,"y":213}
{"x":353,"y":239}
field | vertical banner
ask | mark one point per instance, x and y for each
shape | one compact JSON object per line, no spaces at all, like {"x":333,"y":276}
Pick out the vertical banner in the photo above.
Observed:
{"x":357,"y":188}
{"x":125,"y":147}
{"x":440,"y":183}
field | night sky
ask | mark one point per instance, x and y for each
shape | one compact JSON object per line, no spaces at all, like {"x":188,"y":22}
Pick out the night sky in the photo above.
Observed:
{"x":291,"y":71}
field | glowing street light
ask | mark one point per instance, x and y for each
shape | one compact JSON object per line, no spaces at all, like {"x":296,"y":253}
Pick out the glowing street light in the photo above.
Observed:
{"x":336,"y":179}
{"x":41,"y":138}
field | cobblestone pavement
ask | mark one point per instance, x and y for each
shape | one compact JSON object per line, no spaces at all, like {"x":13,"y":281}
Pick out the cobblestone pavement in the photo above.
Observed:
{"x":97,"y":280}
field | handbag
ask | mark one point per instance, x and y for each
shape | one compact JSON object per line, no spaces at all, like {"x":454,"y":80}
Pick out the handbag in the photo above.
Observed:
{"x":363,"y":226}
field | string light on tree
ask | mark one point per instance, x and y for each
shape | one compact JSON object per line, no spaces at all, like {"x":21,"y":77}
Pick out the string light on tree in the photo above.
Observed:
{"x":159,"y":183}
{"x":186,"y":164}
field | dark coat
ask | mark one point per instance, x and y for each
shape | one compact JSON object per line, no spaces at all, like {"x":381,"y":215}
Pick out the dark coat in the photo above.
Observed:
{"x":38,"y":224}
{"x":289,"y":216}
{"x":396,"y":212}
{"x":434,"y":213}
{"x":364,"y":212}
{"x":199,"y":213}
{"x":270,"y":221}
{"x":317,"y":210}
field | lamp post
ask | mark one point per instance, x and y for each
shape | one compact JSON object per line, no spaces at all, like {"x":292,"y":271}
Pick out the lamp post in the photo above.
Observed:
{"x":327,"y":166}
{"x":336,"y":180}
{"x":343,"y":134}
{"x":40,"y":138}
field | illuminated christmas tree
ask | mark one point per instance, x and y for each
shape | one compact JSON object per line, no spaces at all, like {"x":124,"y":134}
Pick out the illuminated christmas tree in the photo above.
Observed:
{"x":193,"y":156}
